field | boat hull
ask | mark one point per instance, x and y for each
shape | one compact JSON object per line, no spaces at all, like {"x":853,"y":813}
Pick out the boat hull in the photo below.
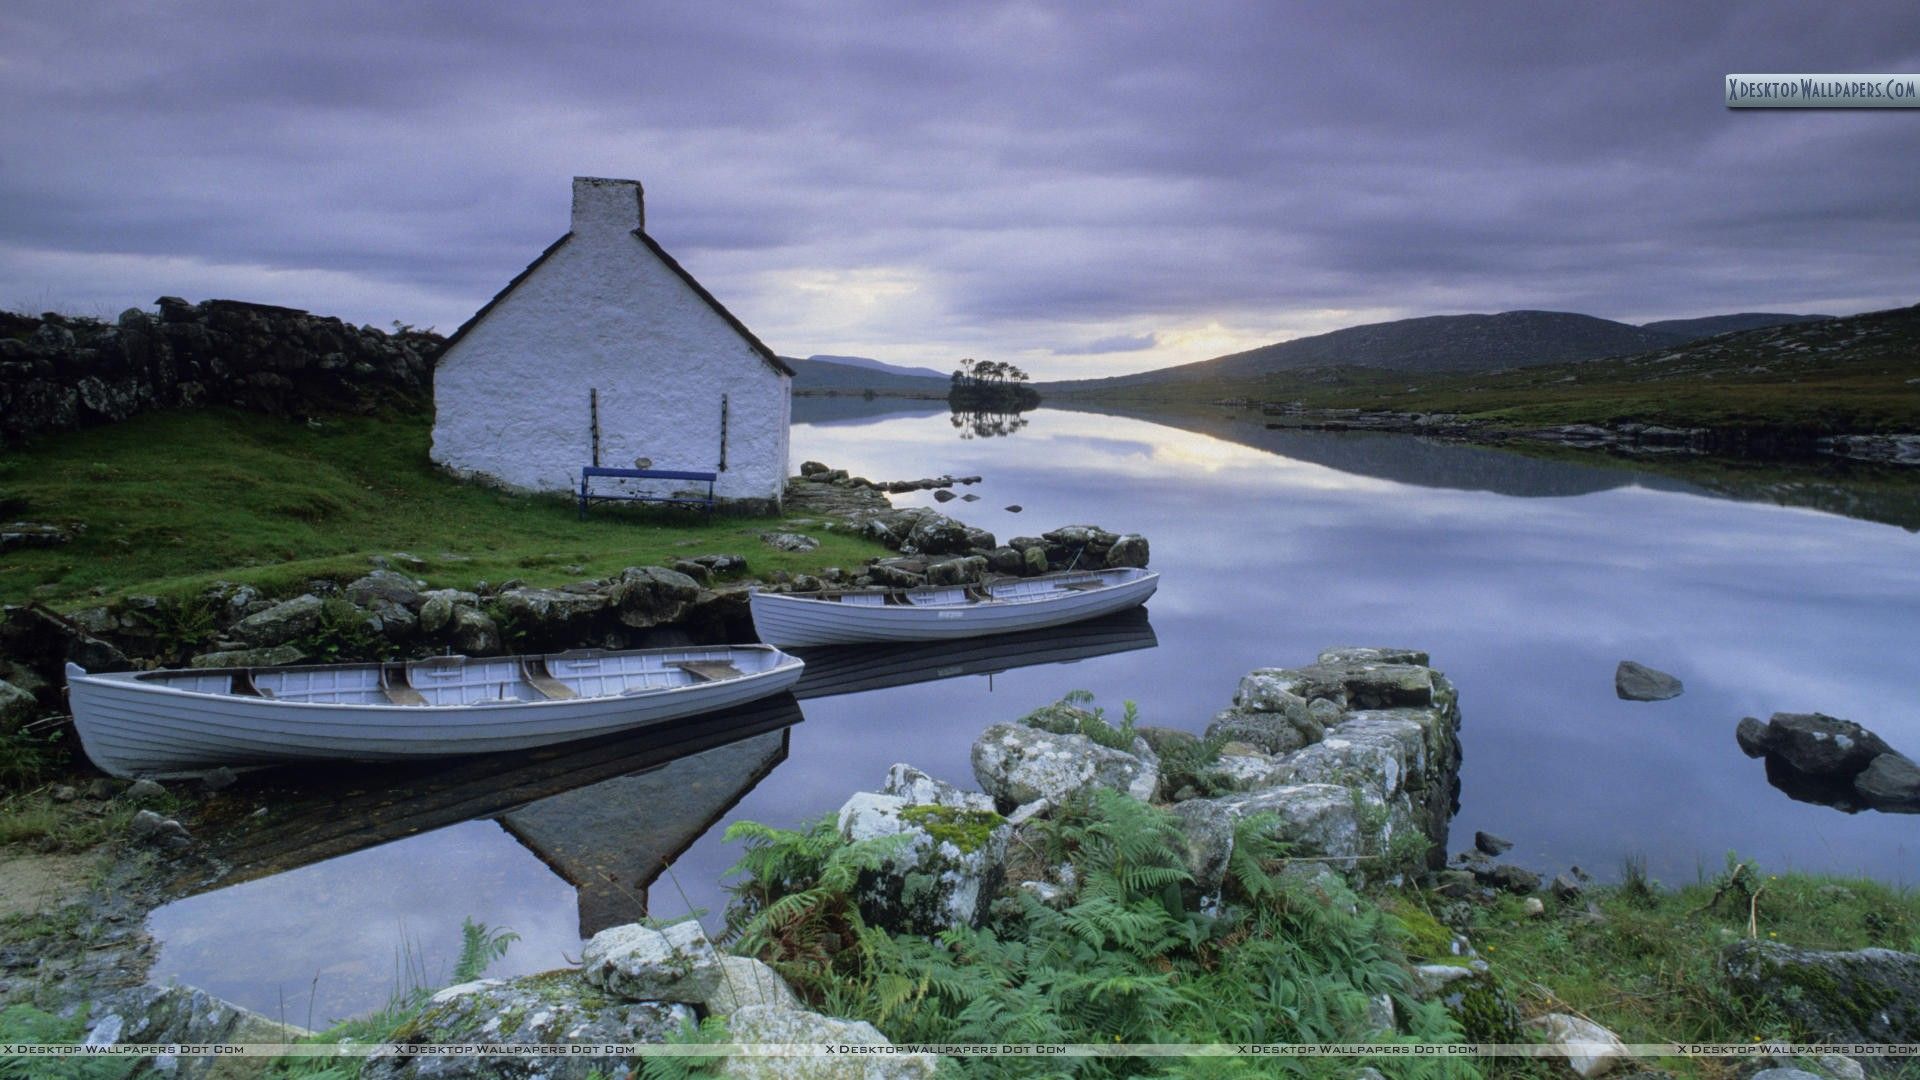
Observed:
{"x":791,"y":621}
{"x":131,"y":729}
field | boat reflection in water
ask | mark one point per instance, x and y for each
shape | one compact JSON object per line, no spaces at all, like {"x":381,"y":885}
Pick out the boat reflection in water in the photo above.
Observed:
{"x":302,"y":920}
{"x":850,"y":669}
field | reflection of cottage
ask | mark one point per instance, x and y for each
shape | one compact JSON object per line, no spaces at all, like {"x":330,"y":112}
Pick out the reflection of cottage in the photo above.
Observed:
{"x":606,"y":351}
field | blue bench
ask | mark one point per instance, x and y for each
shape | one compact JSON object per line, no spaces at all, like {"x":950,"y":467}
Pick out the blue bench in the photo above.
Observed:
{"x":590,"y":472}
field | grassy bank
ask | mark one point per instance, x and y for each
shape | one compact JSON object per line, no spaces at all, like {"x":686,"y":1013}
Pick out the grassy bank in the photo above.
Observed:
{"x":173,"y":501}
{"x":1644,"y":961}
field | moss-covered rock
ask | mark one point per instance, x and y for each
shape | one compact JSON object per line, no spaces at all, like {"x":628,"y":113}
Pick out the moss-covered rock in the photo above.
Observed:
{"x":1867,"y":995}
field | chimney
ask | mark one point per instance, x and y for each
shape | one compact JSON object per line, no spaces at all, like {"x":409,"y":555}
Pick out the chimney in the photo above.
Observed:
{"x":601,"y":205}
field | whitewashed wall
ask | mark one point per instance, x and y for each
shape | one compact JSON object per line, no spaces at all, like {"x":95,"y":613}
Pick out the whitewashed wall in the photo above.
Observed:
{"x":603,"y":312}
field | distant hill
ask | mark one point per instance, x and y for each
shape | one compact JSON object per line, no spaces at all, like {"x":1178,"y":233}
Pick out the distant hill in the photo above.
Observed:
{"x":1694,"y":329}
{"x":1444,"y":343}
{"x":858,"y":373}
{"x":876,"y":365}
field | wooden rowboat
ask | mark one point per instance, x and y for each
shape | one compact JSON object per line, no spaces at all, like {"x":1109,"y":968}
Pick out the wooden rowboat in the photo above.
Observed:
{"x":937,"y":613}
{"x":188,"y":721}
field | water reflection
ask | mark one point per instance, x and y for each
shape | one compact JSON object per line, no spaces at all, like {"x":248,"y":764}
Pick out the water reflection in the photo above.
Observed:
{"x":354,"y":881}
{"x":1527,"y":579}
{"x":352,"y":876}
{"x":985,"y":424}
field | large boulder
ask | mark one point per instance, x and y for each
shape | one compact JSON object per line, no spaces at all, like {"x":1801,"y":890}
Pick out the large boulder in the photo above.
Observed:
{"x":182,"y":1014}
{"x":1589,"y":1049}
{"x":1815,"y":744}
{"x":743,"y":982}
{"x":552,"y":613}
{"x":1638,"y":682}
{"x":17,"y":706}
{"x":943,"y":873}
{"x":1890,"y":783}
{"x":276,"y":656}
{"x":640,"y":963}
{"x":281,"y":623}
{"x":387,"y":585}
{"x":1312,"y":819}
{"x":1863,"y":996}
{"x":1270,"y":732}
{"x":937,"y":534}
{"x":652,"y":595}
{"x":1128,"y":550}
{"x":1017,"y":764}
{"x":554,"y":1009}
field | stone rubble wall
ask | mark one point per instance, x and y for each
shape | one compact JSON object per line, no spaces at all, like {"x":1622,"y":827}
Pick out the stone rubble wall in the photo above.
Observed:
{"x":60,"y":373}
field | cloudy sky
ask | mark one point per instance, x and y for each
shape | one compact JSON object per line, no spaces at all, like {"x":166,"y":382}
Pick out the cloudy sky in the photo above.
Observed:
{"x":1079,"y":188}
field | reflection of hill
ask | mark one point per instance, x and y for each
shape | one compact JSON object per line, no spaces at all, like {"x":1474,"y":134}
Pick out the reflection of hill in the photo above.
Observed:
{"x":1885,"y":494}
{"x":850,"y":669}
{"x":1403,"y":459}
{"x":854,"y":409}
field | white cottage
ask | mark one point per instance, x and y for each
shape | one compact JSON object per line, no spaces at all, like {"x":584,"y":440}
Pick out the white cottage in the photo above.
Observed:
{"x":605,"y":351}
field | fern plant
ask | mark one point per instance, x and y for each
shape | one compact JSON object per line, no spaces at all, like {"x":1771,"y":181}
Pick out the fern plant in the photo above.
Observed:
{"x":1280,"y":959}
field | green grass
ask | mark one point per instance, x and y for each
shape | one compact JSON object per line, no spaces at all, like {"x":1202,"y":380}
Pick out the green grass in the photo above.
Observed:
{"x":173,"y":501}
{"x":1648,"y":969}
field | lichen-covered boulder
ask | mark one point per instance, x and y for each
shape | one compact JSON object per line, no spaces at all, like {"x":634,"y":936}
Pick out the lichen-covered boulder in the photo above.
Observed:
{"x":743,"y":982}
{"x":395,"y":588}
{"x":182,"y":1014}
{"x":1816,"y":744}
{"x":640,"y":963}
{"x":549,"y":612}
{"x":1017,"y":764}
{"x":1274,"y":732}
{"x":943,"y":871}
{"x":652,"y":595}
{"x":937,"y":534}
{"x":770,"y":1024}
{"x":1129,"y":550}
{"x":280,"y":623}
{"x":556,"y":1008}
{"x":1890,"y":783}
{"x":271,"y":657}
{"x":1589,"y":1049}
{"x":964,"y":570}
{"x":1862,"y":996}
{"x":17,"y":706}
{"x":1313,"y":819}
{"x":1241,"y":767}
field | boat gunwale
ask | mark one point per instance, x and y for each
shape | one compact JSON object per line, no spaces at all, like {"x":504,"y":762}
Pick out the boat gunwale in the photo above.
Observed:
{"x":141,"y":681}
{"x":832,"y":596}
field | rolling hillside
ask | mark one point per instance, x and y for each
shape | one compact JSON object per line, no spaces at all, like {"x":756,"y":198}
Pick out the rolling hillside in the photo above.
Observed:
{"x":1440,"y":344}
{"x":856,"y":374}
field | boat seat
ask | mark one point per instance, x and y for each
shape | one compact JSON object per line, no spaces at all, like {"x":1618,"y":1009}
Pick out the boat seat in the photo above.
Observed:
{"x":708,"y":670}
{"x":537,"y":676}
{"x":393,"y":683}
{"x":1083,"y":586}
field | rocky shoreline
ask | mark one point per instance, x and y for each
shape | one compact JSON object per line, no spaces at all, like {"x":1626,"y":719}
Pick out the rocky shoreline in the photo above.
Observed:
{"x":389,"y":613}
{"x":1350,"y":765}
{"x":1626,"y":437}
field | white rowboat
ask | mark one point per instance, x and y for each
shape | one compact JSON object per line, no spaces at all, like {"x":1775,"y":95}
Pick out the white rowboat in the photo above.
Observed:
{"x":938,"y":613}
{"x":189,"y":721}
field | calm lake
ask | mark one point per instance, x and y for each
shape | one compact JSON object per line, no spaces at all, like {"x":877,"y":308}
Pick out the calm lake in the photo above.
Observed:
{"x":1527,"y":580}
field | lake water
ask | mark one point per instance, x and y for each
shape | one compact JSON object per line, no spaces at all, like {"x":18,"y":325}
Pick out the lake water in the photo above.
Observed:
{"x":1527,"y":580}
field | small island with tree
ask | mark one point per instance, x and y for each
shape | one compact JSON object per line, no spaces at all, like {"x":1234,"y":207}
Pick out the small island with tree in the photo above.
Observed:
{"x":990,"y":386}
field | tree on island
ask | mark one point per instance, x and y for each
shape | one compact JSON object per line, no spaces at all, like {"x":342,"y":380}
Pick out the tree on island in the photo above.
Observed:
{"x":992,"y":385}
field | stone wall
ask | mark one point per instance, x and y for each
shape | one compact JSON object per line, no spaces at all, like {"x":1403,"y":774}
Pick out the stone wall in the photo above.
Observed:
{"x":58,"y":373}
